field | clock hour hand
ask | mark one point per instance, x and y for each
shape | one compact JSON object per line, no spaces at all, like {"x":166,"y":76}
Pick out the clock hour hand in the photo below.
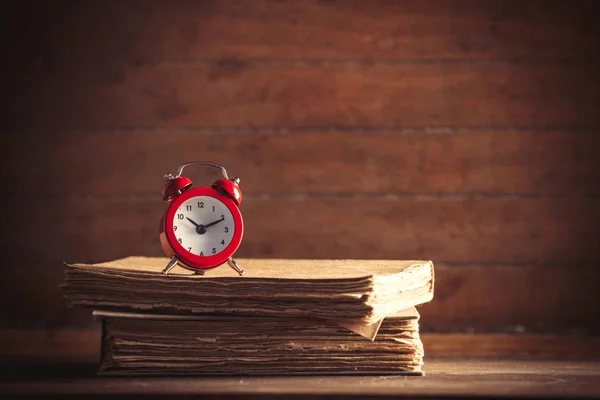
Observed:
{"x":200,"y":229}
{"x":214,"y":222}
{"x":195,"y":224}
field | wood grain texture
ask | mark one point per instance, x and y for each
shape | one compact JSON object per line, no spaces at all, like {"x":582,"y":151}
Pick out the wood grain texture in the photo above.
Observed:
{"x":507,"y":346}
{"x":458,"y":230}
{"x":314,"y":162}
{"x":468,"y":299}
{"x":513,"y":299}
{"x":238,"y":94}
{"x":60,"y":346}
{"x":463,"y":131}
{"x":136,"y":32}
{"x":445,"y":378}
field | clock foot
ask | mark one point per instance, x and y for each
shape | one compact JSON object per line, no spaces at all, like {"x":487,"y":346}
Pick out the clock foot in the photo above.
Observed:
{"x":199,"y":272}
{"x":235,"y":266}
{"x":170,"y":265}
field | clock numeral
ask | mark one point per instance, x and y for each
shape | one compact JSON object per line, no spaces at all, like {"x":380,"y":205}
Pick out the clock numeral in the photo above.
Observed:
{"x":222,"y":216}
{"x":200,"y":204}
{"x":214,"y":250}
{"x":189,"y":249}
{"x":188,"y":208}
{"x":201,"y":253}
{"x":226,"y":230}
{"x":175,"y":228}
{"x":179,"y":216}
{"x":179,"y":240}
{"x":223,"y":242}
{"x":213,"y":208}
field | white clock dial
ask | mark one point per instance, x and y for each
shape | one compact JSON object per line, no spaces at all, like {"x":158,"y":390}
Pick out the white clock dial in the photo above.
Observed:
{"x":203,"y":225}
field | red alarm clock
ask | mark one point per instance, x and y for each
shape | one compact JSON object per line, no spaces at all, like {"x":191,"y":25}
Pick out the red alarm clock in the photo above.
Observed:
{"x":202,"y":226}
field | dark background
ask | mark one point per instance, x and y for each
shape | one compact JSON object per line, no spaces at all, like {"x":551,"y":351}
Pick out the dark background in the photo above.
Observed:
{"x":465,"y":132}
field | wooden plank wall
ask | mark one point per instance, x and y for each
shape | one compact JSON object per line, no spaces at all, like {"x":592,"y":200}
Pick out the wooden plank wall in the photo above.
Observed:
{"x":462,"y":131}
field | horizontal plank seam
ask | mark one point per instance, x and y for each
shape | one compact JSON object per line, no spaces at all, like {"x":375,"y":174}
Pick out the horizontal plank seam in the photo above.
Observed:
{"x":148,"y":196}
{"x":580,"y":333}
{"x":310,"y":63}
{"x":522,"y":267}
{"x":286,"y":130}
{"x":366,"y":62}
{"x":573,"y":329}
{"x":55,"y":332}
{"x":92,"y":331}
{"x":224,"y":62}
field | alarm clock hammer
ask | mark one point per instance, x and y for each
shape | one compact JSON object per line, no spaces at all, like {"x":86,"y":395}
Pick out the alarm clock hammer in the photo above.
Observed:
{"x":205,"y":245}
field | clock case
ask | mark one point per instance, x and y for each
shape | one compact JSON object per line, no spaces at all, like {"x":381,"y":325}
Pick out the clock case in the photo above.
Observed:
{"x":176,"y":191}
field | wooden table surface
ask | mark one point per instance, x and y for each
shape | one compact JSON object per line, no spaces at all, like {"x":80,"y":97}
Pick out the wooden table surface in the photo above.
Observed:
{"x":444,"y":378}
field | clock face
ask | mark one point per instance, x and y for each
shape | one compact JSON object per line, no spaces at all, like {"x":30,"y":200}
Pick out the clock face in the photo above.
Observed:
{"x":203,"y":225}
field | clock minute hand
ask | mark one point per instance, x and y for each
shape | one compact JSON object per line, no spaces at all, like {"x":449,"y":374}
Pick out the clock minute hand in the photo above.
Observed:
{"x":214,"y":222}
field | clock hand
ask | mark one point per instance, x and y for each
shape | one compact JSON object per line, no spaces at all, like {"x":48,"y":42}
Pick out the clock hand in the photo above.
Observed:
{"x":214,"y":222}
{"x":195,"y":224}
{"x":200,"y":229}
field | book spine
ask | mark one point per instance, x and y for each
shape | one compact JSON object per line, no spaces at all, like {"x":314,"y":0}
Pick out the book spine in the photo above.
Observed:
{"x":103,"y":345}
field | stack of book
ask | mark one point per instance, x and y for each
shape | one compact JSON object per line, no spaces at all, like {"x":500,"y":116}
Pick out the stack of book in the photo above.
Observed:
{"x":285,"y":317}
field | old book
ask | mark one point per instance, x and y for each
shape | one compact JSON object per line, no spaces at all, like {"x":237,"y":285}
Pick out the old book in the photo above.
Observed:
{"x":352,"y":291}
{"x":158,"y":344}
